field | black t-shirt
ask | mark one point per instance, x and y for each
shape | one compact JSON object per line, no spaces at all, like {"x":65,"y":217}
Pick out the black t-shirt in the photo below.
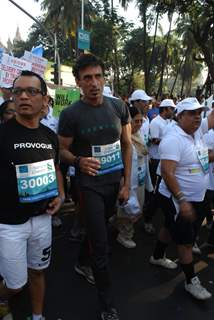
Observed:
{"x":21,"y":145}
{"x":90,"y":126}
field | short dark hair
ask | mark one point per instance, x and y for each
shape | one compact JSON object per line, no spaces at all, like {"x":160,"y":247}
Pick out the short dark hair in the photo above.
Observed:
{"x":27,"y":73}
{"x":86,"y":60}
{"x":134,"y":111}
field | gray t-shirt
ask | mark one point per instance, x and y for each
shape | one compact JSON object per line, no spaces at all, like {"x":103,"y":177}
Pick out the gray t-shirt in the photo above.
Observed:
{"x":94,"y":126}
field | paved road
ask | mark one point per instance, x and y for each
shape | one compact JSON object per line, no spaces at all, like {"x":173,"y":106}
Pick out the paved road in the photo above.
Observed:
{"x":142,"y":291}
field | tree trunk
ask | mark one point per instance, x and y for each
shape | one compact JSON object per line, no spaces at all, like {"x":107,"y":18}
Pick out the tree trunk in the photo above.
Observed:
{"x":177,"y":73}
{"x":153,"y":50}
{"x":164,"y":57}
{"x":146,"y":80}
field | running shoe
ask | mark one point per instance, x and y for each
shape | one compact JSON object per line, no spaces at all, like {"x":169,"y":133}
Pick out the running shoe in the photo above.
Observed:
{"x":127,"y":243}
{"x":197,"y":290}
{"x":196,"y":249}
{"x":86,"y":272}
{"x":163,"y":262}
{"x":110,"y":315}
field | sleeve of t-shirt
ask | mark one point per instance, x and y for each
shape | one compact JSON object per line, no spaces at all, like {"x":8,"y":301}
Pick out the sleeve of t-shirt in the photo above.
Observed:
{"x":170,"y":149}
{"x":209,"y":139}
{"x":66,"y":126}
{"x":122,"y":111}
{"x":125,"y":119}
{"x":154,"y":130}
{"x":204,"y":125}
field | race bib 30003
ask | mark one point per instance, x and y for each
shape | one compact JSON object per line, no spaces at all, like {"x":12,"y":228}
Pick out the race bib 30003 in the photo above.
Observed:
{"x":36,"y":181}
{"x":109,"y":156}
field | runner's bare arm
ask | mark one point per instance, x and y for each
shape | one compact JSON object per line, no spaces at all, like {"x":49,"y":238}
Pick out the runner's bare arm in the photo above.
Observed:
{"x":126,"y":148}
{"x":66,"y":155}
{"x":168,"y":174}
{"x":56,"y":203}
{"x":88,"y":165}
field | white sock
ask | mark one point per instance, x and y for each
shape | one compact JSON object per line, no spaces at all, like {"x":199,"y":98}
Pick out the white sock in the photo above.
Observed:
{"x":37,"y":317}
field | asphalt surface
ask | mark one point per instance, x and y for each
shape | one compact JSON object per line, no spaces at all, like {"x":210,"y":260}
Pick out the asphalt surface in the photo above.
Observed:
{"x":142,"y":291}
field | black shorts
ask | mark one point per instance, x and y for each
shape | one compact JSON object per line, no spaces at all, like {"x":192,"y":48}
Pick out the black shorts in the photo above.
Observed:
{"x":181,"y":230}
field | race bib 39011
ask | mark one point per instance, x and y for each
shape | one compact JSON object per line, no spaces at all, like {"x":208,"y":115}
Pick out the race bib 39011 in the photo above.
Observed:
{"x":36,"y":181}
{"x":109,"y":156}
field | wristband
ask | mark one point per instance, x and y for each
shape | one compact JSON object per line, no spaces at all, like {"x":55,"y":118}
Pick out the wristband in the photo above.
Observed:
{"x":181,"y":199}
{"x":179,"y":195}
{"x":77,"y":162}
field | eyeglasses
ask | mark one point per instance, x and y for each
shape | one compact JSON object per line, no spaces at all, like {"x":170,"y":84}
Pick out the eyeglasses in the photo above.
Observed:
{"x":30,"y":92}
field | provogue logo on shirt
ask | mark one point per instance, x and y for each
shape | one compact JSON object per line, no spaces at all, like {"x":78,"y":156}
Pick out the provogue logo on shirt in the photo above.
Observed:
{"x":32,"y":145}
{"x":109,"y":156}
{"x":36,"y":181}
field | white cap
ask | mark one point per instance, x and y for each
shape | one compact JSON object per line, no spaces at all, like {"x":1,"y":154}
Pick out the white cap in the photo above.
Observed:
{"x":140,"y":95}
{"x":107,"y":91}
{"x":188,"y":104}
{"x":167,"y":103}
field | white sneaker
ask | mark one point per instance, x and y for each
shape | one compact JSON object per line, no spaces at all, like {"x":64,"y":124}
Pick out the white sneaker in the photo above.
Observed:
{"x":196,"y":249}
{"x":163,"y":262}
{"x":127,"y":243}
{"x":197,"y":290}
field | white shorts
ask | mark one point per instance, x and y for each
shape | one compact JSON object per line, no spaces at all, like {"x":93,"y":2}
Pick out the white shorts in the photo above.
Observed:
{"x":24,"y":246}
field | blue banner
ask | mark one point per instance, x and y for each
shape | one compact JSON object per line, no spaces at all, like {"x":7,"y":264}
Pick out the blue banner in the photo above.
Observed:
{"x":83,"y":39}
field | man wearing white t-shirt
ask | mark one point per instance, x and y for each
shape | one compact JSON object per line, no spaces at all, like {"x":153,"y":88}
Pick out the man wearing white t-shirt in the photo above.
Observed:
{"x":184,"y":171}
{"x":157,"y":130}
{"x":158,"y":126}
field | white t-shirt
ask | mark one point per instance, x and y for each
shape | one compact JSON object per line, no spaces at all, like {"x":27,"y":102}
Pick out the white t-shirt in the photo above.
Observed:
{"x":182,"y":148}
{"x":144,"y":131}
{"x":50,"y":121}
{"x":209,"y":140}
{"x":157,"y":128}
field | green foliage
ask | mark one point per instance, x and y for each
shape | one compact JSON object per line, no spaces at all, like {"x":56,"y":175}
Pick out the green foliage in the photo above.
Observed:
{"x":135,"y":56}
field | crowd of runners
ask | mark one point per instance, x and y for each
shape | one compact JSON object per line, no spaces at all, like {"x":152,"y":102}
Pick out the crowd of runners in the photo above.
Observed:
{"x":125,"y":159}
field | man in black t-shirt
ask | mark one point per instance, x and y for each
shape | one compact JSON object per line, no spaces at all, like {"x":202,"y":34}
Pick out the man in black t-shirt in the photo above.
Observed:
{"x":97,"y":131}
{"x":31,"y":191}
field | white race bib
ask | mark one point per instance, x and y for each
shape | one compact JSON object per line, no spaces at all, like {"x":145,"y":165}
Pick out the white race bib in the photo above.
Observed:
{"x":202,"y":154}
{"x":36,"y":181}
{"x":109,"y":156}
